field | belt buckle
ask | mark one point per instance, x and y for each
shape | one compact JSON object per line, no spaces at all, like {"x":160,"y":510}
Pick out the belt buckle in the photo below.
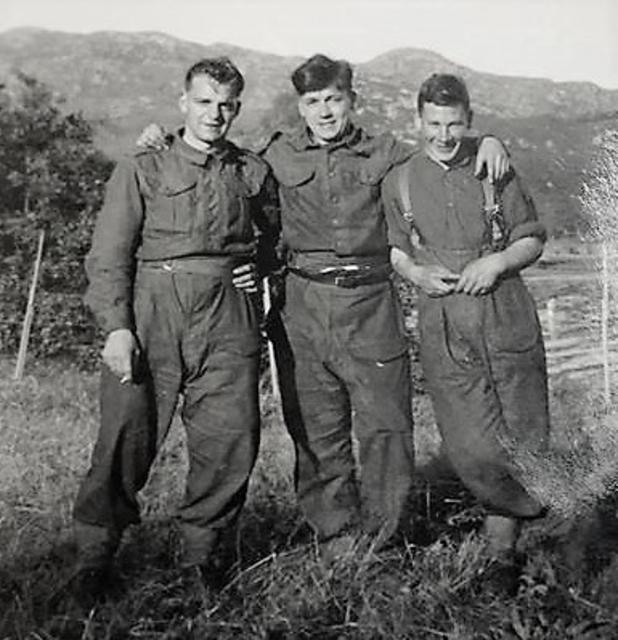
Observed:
{"x":347,"y":280}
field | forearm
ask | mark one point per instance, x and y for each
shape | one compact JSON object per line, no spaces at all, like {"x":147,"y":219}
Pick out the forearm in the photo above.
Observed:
{"x":404,"y":265}
{"x":521,"y":253}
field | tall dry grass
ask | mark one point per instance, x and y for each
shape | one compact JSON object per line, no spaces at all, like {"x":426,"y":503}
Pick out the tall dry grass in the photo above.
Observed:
{"x":442,"y":586}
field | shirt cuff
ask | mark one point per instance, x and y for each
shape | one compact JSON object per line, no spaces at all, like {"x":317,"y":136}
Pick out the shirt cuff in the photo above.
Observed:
{"x":402,"y":242}
{"x":113,"y":319}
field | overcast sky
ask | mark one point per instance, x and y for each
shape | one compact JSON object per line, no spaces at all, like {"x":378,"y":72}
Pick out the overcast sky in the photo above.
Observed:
{"x":557,"y":39}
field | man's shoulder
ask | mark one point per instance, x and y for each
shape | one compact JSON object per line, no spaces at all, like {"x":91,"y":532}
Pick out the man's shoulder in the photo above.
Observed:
{"x":147,"y":159}
{"x":403,"y":170}
{"x":280,"y":143}
{"x":252,"y":164}
{"x":384,"y":148}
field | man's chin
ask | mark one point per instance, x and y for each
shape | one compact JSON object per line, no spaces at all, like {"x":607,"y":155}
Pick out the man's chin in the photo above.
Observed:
{"x":327,"y":135}
{"x":443,"y":155}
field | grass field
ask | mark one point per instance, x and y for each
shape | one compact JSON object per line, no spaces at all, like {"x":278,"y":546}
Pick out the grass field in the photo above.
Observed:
{"x":439,"y":585}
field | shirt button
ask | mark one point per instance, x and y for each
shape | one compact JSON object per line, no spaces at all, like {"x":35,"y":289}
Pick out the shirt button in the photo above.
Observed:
{"x":334,"y":199}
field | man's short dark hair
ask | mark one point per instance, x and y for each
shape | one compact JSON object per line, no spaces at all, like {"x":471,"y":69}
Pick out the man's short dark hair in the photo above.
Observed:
{"x":221,"y":70}
{"x":320,"y":72}
{"x":445,"y":90}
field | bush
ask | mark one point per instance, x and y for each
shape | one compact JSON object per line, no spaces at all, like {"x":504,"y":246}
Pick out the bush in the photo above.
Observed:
{"x":51,"y":178}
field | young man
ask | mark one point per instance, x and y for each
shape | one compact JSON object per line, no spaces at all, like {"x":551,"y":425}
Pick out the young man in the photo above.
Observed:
{"x":341,"y":349}
{"x":170,"y":282}
{"x":347,"y":364}
{"x":463,"y":242}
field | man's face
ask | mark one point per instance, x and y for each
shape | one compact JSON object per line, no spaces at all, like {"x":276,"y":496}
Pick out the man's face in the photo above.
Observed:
{"x":443,"y":128}
{"x":326,"y":112}
{"x":209,"y":109}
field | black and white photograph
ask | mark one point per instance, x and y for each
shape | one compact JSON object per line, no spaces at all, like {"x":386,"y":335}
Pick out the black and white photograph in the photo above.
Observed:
{"x":309,"y":320}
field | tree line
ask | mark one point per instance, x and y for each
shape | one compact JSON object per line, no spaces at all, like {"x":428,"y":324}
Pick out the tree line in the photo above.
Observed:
{"x":52,"y":177}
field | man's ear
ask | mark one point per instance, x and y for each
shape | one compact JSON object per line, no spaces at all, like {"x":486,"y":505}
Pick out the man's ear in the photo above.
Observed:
{"x":470,"y":117}
{"x":418,"y":123}
{"x":353,"y":97}
{"x":238,"y":104}
{"x":182,"y":102}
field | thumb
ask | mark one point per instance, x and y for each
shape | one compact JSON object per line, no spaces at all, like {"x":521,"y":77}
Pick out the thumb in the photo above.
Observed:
{"x":478,"y":166}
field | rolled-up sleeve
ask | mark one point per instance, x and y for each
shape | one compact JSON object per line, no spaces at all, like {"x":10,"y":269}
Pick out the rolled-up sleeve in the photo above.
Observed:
{"x":398,"y":229}
{"x":110,"y":263}
{"x":520,"y":213}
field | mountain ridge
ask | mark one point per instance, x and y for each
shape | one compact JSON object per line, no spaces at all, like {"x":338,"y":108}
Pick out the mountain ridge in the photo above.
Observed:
{"x":121,"y":81}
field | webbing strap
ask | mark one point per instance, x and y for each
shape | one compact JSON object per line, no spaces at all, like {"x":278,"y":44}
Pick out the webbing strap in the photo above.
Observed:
{"x":493,"y":216}
{"x":404,"y":194}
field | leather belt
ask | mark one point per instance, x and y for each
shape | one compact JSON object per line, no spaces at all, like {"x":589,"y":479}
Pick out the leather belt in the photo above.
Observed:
{"x":348,"y":277}
{"x":202,"y":264}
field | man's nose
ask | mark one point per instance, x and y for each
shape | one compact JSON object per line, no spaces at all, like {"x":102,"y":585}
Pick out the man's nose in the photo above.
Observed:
{"x":213,"y":112}
{"x":443,"y":133}
{"x":325,"y":110}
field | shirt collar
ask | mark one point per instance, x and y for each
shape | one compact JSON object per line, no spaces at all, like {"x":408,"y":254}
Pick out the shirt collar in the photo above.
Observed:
{"x":301,"y":139}
{"x":464,"y":156}
{"x":220,"y":151}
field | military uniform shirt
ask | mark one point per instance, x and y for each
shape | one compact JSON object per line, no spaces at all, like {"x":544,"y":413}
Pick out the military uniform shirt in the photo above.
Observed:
{"x":174,"y":203}
{"x":330,"y":195}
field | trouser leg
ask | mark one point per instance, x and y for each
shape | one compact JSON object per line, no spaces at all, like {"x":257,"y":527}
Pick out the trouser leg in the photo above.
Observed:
{"x":221,"y":411}
{"x":325,"y":469}
{"x":134,"y":419}
{"x":381,"y":397}
{"x":221,"y":418}
{"x":470,"y":417}
{"x":316,"y":411}
{"x":123,"y":454}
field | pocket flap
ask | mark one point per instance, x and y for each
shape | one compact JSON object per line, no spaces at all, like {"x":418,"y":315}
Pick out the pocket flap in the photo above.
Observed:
{"x":371,"y":175}
{"x":380,"y":349}
{"x":294,"y":177}
{"x":171,"y":188}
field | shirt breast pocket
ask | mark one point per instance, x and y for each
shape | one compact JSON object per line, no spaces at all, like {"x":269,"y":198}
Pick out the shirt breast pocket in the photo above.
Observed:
{"x":172,"y":208}
{"x":293,"y":178}
{"x":239,"y":192}
{"x":370,"y":176}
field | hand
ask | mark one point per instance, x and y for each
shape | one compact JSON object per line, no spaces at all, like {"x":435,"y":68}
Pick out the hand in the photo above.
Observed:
{"x":480,"y":276}
{"x":245,"y":278}
{"x":435,"y":280}
{"x":153,"y":137}
{"x":120,"y":353}
{"x":493,"y":155}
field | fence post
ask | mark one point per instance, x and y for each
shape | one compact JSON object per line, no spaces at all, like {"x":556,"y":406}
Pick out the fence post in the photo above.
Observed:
{"x":604,"y":325}
{"x":551,"y":318}
{"x":27,"y":325}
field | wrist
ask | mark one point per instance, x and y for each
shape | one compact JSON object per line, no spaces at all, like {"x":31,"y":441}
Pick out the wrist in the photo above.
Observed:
{"x":501,"y":262}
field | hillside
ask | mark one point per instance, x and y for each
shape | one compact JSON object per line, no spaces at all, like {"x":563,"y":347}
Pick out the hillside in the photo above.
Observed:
{"x":121,"y":81}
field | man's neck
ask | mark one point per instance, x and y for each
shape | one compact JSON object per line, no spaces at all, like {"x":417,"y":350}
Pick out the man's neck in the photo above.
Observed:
{"x":345,"y":133}
{"x":197,"y":144}
{"x":459,"y":156}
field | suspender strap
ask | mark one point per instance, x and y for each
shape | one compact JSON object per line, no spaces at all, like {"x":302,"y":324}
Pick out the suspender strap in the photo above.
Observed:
{"x":494,"y":219}
{"x":404,"y":194}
